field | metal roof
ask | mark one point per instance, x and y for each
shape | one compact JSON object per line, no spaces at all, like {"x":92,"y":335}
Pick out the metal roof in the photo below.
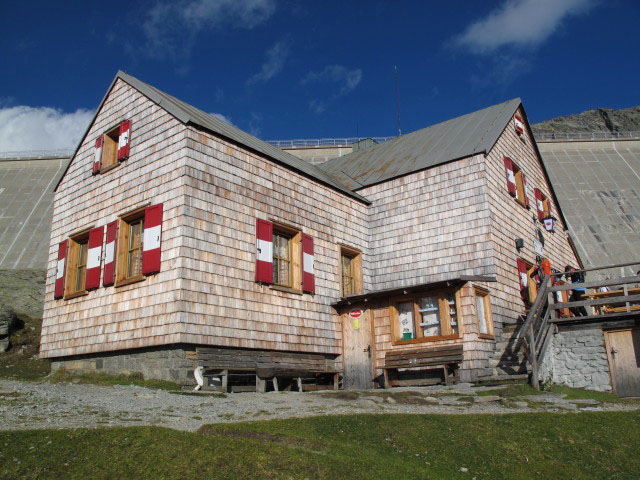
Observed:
{"x":457,"y":138}
{"x":189,"y":114}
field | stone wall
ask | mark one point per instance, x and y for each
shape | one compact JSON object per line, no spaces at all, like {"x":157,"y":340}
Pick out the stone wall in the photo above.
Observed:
{"x":159,"y":363}
{"x":577,"y":358}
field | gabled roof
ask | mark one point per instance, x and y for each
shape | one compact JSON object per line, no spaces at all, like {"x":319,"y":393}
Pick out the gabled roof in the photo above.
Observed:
{"x":189,"y":114}
{"x":454,"y":139}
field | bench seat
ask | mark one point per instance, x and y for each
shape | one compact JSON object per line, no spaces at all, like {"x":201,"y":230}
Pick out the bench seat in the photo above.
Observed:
{"x":446,"y":357}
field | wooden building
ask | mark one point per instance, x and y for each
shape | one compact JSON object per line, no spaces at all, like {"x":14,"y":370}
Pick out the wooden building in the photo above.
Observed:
{"x":176,"y":236}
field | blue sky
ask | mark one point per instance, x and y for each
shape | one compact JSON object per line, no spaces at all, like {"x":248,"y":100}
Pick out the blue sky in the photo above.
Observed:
{"x":285,"y":69}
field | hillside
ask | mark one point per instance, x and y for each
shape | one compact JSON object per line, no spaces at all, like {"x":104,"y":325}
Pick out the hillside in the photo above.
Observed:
{"x":598,"y":120}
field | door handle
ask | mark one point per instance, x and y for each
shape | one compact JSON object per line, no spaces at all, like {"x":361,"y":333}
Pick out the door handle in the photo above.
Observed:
{"x":613,"y":352}
{"x":368,"y":349}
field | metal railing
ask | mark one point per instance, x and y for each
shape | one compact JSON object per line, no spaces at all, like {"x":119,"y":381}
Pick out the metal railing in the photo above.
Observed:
{"x":321,"y":142}
{"x":586,"y":136}
{"x":36,"y":154}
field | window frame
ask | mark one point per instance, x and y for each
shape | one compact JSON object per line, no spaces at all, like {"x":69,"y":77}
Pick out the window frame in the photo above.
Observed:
{"x":109,"y":156}
{"x":444,"y":315}
{"x":71,"y":289}
{"x":295,"y":258}
{"x":479,"y":292}
{"x":355,"y":257}
{"x":121,"y":260}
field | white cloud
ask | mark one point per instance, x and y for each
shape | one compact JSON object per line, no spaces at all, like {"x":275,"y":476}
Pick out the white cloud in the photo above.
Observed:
{"x":519,"y":23}
{"x":222,"y":117}
{"x":41,"y":128}
{"x":345,"y":79}
{"x":171,"y":27}
{"x":273,"y":63}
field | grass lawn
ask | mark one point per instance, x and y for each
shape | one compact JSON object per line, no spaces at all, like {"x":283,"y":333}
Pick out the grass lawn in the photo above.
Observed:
{"x":599,"y":445}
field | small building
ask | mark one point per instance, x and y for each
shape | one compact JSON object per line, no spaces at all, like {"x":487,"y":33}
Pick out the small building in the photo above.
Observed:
{"x":176,"y":236}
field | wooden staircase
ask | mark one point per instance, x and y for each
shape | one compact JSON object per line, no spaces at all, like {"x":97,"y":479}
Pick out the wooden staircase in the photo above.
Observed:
{"x":536,"y":333}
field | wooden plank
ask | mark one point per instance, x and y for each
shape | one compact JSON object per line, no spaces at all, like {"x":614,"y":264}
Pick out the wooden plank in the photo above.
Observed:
{"x":597,"y":301}
{"x":425,"y":362}
{"x":597,"y":283}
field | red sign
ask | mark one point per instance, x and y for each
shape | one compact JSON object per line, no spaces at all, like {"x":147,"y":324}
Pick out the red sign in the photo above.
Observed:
{"x":356,"y":313}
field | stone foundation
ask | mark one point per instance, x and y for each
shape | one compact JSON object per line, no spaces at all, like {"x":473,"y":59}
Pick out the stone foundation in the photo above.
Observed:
{"x":577,"y":358}
{"x":165,"y":363}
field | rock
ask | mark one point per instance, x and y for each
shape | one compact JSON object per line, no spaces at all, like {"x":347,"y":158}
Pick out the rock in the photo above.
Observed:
{"x":375,"y":399}
{"x":487,"y":399}
{"x":567,"y":406}
{"x":4,"y":344}
{"x":391,"y":400}
{"x":431,"y":400}
{"x":367,"y":403}
{"x":464,"y":469}
{"x":585,"y":401}
{"x":521,"y":404}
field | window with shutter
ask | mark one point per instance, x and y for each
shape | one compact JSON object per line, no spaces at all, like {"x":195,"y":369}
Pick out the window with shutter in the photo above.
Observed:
{"x":137,"y":245}
{"x":76,"y":275}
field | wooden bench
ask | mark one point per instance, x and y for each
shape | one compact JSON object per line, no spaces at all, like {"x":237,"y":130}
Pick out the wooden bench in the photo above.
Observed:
{"x":281,"y":368}
{"x":446,"y":357}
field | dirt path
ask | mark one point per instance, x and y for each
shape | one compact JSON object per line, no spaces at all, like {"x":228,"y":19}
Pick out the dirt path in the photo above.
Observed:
{"x":25,"y":405}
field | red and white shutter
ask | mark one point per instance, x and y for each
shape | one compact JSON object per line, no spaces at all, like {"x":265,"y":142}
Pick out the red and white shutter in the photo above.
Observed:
{"x":511,"y":178}
{"x":123,"y":140}
{"x":523,"y":278}
{"x":97,"y":155}
{"x":539,"y":205}
{"x":264,"y":251}
{"x":519,"y":124}
{"x":109,"y":276}
{"x":61,"y":268}
{"x":526,"y":190}
{"x":308,"y":273}
{"x":151,"y":239}
{"x":94,"y":258}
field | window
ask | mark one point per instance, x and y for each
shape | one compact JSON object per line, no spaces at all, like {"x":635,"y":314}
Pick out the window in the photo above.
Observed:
{"x":546,"y":207}
{"x":425,"y":317}
{"x":543,"y":205}
{"x":129,"y":258}
{"x":77,"y":266}
{"x":528,"y":285}
{"x":286,"y":258}
{"x":483,"y":313}
{"x":110,"y":150}
{"x":135,"y":242}
{"x":350,"y":271}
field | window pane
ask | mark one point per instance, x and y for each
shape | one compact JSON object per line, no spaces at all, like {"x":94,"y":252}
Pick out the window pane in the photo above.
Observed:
{"x":347,"y":275}
{"x":482,"y":319}
{"x":405,"y":321}
{"x":134,"y":257}
{"x":281,"y":260}
{"x":453,"y":312}
{"x":430,"y":313}
{"x":82,"y":263}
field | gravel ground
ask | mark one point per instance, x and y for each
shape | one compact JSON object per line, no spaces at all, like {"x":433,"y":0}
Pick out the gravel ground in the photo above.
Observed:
{"x":25,"y":405}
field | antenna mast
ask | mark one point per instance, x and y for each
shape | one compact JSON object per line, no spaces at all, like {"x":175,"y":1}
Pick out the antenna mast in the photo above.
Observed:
{"x":395,"y":76}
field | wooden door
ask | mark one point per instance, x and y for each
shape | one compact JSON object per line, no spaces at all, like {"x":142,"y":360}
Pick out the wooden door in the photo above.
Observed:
{"x":357,"y":351}
{"x":623,"y":350}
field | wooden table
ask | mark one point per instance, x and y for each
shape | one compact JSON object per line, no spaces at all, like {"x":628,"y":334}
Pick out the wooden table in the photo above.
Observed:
{"x":613,"y":294}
